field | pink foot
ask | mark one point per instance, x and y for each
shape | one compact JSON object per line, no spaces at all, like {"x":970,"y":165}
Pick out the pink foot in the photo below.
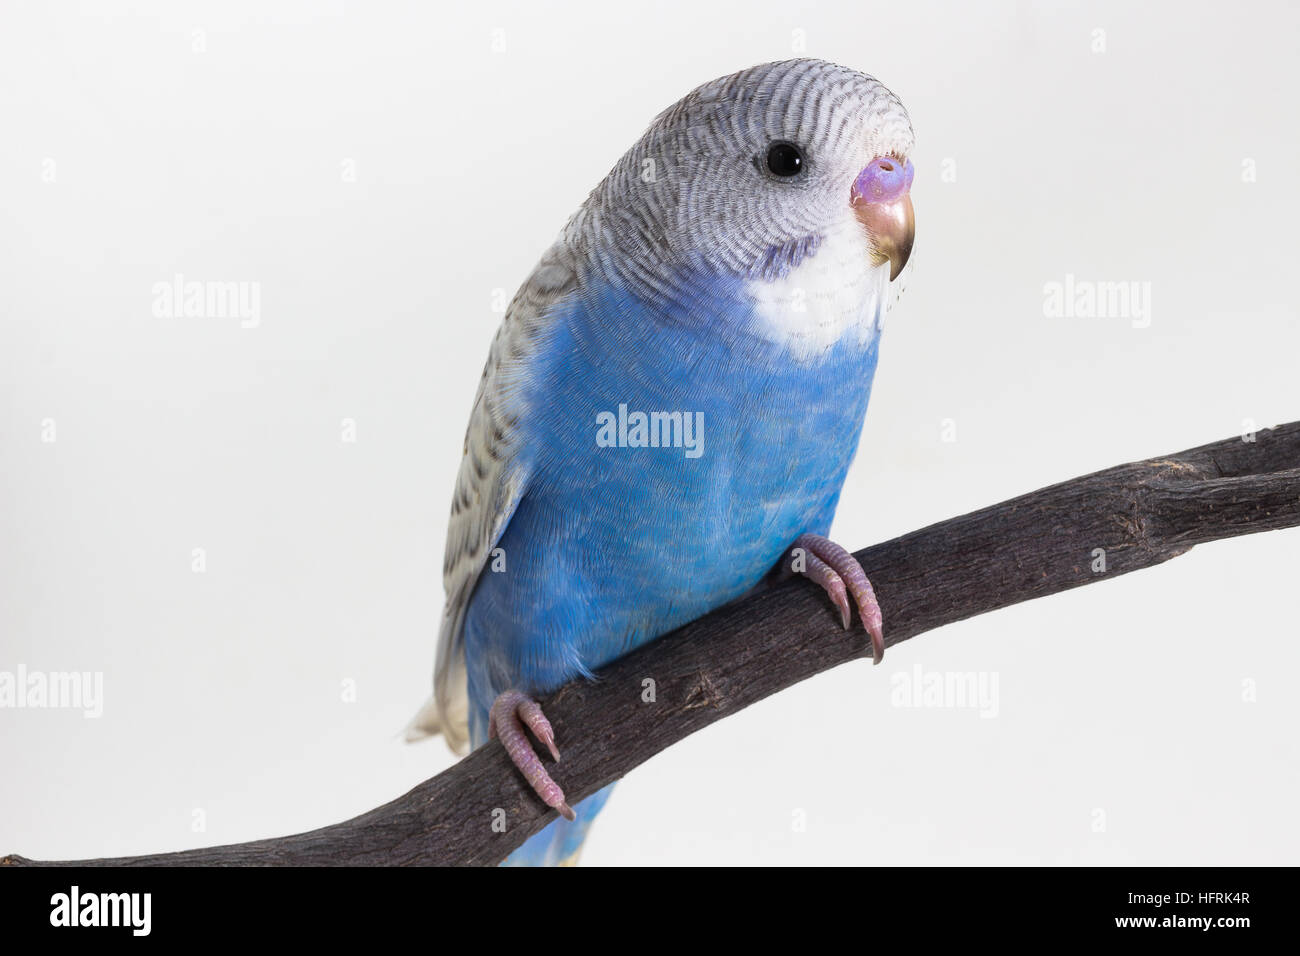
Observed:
{"x":839,"y":574}
{"x":506,"y":720}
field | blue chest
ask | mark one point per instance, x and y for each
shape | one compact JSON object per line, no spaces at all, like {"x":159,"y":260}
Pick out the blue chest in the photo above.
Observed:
{"x":670,"y":463}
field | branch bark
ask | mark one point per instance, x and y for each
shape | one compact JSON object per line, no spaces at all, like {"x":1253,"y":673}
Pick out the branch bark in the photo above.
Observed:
{"x":1141,"y":514}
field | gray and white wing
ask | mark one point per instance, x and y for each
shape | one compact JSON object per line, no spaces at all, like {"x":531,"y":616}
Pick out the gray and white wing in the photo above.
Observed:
{"x":492,"y":478}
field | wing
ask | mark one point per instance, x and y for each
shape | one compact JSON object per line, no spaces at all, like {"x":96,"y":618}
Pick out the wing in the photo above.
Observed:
{"x":492,"y":478}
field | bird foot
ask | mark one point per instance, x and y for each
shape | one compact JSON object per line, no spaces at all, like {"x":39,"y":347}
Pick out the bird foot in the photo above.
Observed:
{"x":509,"y":713}
{"x":840,"y":574}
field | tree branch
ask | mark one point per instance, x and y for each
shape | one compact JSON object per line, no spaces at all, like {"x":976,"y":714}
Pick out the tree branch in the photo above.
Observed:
{"x":1140,"y":514}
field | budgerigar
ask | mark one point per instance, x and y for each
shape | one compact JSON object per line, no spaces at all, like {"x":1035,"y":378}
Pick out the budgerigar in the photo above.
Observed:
{"x":672,"y":401}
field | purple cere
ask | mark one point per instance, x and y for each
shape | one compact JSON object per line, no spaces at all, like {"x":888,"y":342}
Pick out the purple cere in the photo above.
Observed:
{"x":885,"y":180}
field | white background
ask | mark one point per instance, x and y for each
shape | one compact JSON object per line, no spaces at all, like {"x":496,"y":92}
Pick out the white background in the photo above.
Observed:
{"x":1122,"y":733}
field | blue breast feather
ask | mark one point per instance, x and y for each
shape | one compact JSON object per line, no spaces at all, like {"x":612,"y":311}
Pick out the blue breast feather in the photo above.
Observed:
{"x":610,"y":547}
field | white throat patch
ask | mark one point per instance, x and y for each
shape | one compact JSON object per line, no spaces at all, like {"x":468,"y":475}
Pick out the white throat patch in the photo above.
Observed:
{"x":830,"y":294}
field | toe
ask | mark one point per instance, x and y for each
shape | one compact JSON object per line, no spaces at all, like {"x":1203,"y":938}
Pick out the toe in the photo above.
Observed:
{"x":848,"y":574}
{"x":531,"y":713}
{"x":815,"y":569}
{"x":509,"y":713}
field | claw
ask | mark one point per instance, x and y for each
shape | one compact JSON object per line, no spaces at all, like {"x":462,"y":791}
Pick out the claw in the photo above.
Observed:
{"x":532,"y":715}
{"x":821,"y":572}
{"x":509,"y":713}
{"x":836,"y":570}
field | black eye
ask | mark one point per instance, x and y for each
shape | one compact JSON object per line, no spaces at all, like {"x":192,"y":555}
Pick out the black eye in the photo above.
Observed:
{"x":785,"y":159}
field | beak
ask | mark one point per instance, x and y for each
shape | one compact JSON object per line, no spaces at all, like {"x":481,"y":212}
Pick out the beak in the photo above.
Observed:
{"x":882,"y":201}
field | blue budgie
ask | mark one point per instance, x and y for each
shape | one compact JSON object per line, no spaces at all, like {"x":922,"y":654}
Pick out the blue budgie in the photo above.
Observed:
{"x":672,"y":402}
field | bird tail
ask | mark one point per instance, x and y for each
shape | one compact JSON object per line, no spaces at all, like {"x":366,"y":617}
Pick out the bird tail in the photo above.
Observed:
{"x":433,"y":719}
{"x":561,"y":841}
{"x":425,"y":723}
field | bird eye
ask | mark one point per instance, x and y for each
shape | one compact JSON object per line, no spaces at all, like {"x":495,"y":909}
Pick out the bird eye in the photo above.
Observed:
{"x":785,"y":159}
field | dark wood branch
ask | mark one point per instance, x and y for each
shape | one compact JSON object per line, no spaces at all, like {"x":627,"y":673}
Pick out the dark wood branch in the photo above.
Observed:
{"x":1139,"y":515}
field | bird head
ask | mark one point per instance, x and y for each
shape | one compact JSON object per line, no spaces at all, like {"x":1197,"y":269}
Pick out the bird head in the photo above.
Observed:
{"x":750,"y":174}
